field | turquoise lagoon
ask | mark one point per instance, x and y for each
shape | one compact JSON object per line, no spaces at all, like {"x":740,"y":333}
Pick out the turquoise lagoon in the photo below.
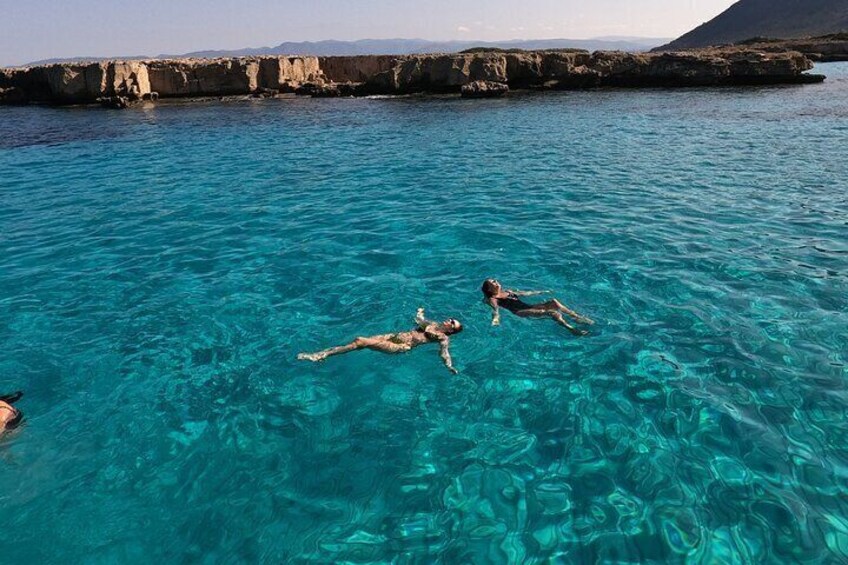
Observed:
{"x":161,"y":267}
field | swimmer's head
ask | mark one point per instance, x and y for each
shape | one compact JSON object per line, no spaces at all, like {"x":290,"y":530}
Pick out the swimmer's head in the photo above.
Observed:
{"x":451,"y":326}
{"x":491,"y":287}
{"x":10,"y":417}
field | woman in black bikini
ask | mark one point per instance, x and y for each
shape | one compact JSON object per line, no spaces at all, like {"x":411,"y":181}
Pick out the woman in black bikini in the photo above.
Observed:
{"x":10,"y":417}
{"x":402,"y":342}
{"x":497,"y":297}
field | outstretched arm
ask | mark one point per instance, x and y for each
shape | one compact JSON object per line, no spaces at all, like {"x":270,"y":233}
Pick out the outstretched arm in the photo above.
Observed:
{"x":529,"y":292}
{"x":421,"y":320}
{"x":444,"y":351}
{"x":496,"y":313}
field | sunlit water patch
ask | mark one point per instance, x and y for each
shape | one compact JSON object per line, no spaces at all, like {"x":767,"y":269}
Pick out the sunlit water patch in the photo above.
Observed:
{"x":160,"y":268}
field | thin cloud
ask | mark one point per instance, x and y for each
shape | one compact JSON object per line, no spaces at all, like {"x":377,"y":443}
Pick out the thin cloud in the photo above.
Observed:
{"x":463,"y":29}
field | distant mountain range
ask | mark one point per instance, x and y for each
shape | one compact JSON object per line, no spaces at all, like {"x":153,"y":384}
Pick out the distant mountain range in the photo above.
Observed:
{"x":778,"y":19}
{"x":399,"y":47}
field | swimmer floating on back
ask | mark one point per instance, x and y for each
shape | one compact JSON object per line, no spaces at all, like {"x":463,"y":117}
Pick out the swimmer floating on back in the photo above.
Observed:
{"x":497,"y":297}
{"x":402,"y":342}
{"x":10,"y":417}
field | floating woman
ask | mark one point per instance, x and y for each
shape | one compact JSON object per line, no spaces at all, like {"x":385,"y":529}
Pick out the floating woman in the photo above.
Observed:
{"x":402,"y":342}
{"x":497,"y":297}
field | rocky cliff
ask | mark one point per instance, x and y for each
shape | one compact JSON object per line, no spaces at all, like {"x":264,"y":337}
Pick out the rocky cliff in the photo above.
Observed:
{"x":825,"y":48}
{"x":119,"y":83}
{"x":580,"y":69}
{"x":359,"y":68}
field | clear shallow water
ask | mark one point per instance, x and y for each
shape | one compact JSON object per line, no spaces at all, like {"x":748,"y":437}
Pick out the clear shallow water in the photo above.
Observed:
{"x":160,"y":269}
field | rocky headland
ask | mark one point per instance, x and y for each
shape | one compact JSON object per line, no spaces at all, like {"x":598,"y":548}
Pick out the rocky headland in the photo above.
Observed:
{"x":827,"y":48}
{"x":787,"y":19}
{"x":473,"y":74}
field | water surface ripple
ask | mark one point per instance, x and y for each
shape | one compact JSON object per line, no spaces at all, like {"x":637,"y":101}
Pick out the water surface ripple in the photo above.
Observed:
{"x":160,"y":268}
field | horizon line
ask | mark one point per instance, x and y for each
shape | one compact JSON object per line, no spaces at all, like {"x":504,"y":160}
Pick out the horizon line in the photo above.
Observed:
{"x":610,"y":38}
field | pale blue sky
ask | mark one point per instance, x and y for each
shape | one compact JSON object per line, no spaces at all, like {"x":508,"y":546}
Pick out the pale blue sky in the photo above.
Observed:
{"x":39,"y":29}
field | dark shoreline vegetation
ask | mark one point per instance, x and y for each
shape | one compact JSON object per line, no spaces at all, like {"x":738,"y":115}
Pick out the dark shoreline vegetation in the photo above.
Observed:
{"x":474,"y":74}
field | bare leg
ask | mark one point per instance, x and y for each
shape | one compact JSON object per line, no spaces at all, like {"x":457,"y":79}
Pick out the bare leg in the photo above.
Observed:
{"x":386,"y":346}
{"x":358,"y":343}
{"x":561,"y":321}
{"x":563,"y":308}
{"x":376,"y":343}
{"x":547,"y":310}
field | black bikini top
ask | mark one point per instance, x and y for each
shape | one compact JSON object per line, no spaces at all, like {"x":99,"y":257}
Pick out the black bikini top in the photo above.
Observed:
{"x":510,"y":297}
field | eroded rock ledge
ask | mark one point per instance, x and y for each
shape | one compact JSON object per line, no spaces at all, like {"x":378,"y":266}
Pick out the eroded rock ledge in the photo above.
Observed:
{"x":121,"y":83}
{"x":826,"y":48}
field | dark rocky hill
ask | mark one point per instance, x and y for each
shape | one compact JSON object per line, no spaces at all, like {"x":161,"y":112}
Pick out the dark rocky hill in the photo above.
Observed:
{"x":785,"y":19}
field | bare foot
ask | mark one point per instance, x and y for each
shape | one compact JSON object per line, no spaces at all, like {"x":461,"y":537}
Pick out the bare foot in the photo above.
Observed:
{"x":314,"y":357}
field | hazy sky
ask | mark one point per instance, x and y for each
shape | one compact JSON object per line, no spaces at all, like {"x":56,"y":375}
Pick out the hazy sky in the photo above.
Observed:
{"x":39,"y":29}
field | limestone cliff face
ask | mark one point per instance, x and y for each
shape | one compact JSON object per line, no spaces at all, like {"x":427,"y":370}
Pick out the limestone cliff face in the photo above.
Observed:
{"x":76,"y":83}
{"x":277,"y":72}
{"x":128,"y":79}
{"x":355,"y":68}
{"x":228,"y":77}
{"x":79,"y":84}
{"x":699,"y":69}
{"x":440,"y":73}
{"x":203,"y":78}
{"x":118,"y":83}
{"x":448,"y":73}
{"x":134,"y":80}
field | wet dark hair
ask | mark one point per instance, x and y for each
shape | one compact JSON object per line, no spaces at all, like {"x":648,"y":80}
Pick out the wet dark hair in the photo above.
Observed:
{"x":11,"y":398}
{"x":489,"y":287}
{"x":16,"y":421}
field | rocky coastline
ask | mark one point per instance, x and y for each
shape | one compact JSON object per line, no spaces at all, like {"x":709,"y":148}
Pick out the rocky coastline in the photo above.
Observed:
{"x":825,"y":49}
{"x":476,"y":74}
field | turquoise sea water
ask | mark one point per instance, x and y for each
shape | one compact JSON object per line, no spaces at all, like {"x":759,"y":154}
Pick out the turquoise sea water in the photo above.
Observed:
{"x":160,"y":268}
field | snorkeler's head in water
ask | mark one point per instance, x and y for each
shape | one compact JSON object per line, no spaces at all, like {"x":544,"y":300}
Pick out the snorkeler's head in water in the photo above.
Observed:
{"x":10,"y":417}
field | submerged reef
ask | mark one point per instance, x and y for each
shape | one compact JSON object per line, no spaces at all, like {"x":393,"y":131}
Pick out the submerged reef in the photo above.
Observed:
{"x":477,"y":74}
